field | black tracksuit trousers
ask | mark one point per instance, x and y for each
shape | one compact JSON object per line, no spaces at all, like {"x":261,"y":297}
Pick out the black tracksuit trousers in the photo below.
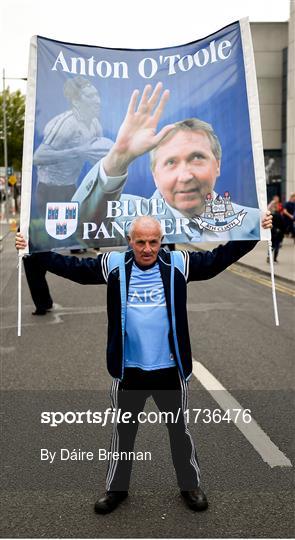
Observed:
{"x":169,"y":392}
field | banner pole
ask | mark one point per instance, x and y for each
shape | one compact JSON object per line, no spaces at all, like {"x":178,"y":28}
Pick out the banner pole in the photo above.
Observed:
{"x":19,"y":289}
{"x":274,"y":296}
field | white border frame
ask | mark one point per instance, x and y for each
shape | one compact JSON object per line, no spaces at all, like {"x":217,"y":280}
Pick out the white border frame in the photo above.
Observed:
{"x":27,"y":165}
{"x":255,"y":123}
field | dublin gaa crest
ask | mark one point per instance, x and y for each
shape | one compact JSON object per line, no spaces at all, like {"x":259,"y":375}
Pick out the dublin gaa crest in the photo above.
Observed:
{"x":61,"y":219}
{"x":219,"y":215}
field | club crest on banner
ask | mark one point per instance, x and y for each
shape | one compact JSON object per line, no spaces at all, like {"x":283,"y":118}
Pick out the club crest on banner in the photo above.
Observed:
{"x":61,"y":219}
{"x":219,"y":214}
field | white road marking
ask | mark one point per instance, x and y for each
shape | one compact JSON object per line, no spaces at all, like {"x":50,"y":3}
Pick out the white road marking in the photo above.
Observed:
{"x":54,"y":316}
{"x":6,"y":350}
{"x":269,"y":452}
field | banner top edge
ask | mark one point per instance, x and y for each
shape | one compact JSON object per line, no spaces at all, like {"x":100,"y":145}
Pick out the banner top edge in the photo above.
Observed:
{"x":140,"y":48}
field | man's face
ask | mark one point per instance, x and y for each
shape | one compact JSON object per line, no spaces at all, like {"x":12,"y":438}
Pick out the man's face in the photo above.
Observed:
{"x":89,"y":101}
{"x":146,"y":243}
{"x":185,"y":171}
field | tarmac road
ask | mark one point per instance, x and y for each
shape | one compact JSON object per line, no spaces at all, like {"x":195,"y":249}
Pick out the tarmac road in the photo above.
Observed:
{"x":59,"y":365}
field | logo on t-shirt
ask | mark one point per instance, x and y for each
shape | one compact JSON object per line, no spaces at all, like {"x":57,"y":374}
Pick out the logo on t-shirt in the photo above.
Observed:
{"x":147,"y":295}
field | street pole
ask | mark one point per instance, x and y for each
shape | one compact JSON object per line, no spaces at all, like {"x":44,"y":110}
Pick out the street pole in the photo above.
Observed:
{"x":6,"y":205}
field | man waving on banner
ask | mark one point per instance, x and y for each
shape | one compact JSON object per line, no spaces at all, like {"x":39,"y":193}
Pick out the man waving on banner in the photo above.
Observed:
{"x":185,"y":163}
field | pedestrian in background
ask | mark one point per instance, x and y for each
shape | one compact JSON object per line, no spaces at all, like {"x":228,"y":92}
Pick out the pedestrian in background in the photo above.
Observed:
{"x":277,"y":231}
{"x":288,"y":213}
{"x":275,"y":203}
{"x":38,"y":285}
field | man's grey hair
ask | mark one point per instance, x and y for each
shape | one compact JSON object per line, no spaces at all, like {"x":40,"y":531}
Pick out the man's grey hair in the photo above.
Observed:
{"x":191,"y":124}
{"x":148,"y":220}
{"x":73,"y":87}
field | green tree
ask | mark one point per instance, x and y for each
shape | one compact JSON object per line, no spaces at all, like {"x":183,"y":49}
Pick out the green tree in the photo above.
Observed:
{"x":15,"y":117}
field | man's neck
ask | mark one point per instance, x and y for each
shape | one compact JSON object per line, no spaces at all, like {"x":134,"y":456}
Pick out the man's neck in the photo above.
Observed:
{"x":146,"y":267}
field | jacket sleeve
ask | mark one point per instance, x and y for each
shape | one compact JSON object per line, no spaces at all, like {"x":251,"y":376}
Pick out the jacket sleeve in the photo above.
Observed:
{"x":207,"y":264}
{"x":86,"y":271}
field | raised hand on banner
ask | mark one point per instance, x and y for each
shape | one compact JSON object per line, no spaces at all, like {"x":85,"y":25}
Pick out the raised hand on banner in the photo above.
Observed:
{"x":138,"y":131}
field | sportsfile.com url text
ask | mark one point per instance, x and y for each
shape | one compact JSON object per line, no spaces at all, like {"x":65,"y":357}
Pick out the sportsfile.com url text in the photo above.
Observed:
{"x":114,"y":416}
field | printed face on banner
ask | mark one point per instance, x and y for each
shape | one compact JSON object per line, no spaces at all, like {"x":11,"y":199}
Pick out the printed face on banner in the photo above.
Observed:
{"x":88,"y":102}
{"x":123,"y":133}
{"x":185,"y":171}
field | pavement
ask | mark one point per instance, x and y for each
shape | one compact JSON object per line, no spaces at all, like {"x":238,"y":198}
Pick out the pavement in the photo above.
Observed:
{"x":284,"y":269}
{"x":6,"y":227}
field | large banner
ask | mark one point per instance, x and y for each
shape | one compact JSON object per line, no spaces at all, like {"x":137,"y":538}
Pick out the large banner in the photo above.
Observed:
{"x":111,"y":134}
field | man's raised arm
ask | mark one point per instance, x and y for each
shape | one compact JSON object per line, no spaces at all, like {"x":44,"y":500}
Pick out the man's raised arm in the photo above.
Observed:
{"x":86,"y":271}
{"x":136,"y":136}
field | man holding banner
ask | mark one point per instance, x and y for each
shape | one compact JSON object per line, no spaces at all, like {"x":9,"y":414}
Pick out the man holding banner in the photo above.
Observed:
{"x":185,"y":162}
{"x":148,"y":350}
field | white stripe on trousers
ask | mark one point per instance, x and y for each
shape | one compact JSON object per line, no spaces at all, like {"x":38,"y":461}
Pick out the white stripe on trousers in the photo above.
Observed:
{"x":115,"y":435}
{"x":184,"y":403}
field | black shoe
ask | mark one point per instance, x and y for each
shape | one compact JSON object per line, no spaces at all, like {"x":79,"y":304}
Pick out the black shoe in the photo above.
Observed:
{"x":195,"y":499}
{"x":42,"y":311}
{"x":39,"y":311}
{"x":110,"y":501}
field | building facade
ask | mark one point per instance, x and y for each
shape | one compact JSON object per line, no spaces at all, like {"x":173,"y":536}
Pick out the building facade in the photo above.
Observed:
{"x":274,"y":47}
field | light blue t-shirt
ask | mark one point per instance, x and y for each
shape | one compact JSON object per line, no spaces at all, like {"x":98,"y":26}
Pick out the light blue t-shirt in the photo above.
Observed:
{"x":147,"y":325}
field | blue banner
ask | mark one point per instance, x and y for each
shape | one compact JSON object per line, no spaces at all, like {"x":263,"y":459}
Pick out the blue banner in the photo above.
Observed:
{"x":114,"y":133}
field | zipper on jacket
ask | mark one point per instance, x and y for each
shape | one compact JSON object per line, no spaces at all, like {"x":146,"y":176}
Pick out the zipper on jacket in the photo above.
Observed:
{"x":173,"y":316}
{"x":123,"y":293}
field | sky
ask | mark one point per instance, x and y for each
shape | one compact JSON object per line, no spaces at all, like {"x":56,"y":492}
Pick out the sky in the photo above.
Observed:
{"x":118,"y":23}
